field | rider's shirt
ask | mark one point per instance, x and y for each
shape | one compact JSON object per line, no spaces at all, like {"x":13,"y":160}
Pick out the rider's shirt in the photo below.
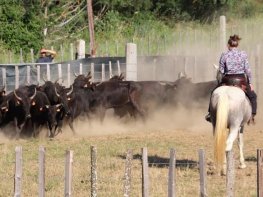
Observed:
{"x":234,"y":61}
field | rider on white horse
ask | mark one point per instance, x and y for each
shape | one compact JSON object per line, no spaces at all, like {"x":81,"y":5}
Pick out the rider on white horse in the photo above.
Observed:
{"x":234,"y":67}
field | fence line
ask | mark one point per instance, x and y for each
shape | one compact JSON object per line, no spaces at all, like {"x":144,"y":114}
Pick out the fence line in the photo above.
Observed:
{"x":127,"y":173}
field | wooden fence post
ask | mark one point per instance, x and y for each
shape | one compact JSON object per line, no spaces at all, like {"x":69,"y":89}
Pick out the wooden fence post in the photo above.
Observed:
{"x":71,"y":52}
{"x":21,"y":55}
{"x":103,"y":72}
{"x":68,"y":173}
{"x":41,"y":178}
{"x":202,"y":171}
{"x":80,"y":69}
{"x":28,"y":74}
{"x":18,"y":172}
{"x":145,"y":173}
{"x":59,"y":72}
{"x":38,"y":73}
{"x":131,"y":62}
{"x":119,"y":67}
{"x":171,"y":174}
{"x":222,"y":33}
{"x":110,"y":69}
{"x":260,"y":173}
{"x":230,"y":178}
{"x":92,"y":72}
{"x":16,"y":77}
{"x":4,"y":77}
{"x":48,"y":72}
{"x":32,"y":55}
{"x":127,"y":175}
{"x":69,"y":83}
{"x":93,"y":171}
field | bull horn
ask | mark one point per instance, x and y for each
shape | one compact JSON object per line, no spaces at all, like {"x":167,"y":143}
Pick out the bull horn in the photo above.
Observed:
{"x":216,"y":66}
{"x":181,"y":75}
{"x":71,"y":90}
{"x":76,"y":75}
{"x":58,"y":105}
{"x":98,"y":84}
{"x":33,"y":96}
{"x":57,"y":92}
{"x":89,"y":74}
{"x":19,"y":98}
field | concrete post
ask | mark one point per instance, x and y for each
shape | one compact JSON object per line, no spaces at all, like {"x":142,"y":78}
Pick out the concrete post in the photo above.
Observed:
{"x":131,"y":62}
{"x":80,"y":47}
{"x":222,"y":34}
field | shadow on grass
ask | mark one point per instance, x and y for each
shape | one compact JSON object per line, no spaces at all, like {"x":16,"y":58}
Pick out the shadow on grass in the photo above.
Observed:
{"x":162,"y":162}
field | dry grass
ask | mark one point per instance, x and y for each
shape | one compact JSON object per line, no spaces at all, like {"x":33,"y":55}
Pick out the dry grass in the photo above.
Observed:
{"x":113,"y":138}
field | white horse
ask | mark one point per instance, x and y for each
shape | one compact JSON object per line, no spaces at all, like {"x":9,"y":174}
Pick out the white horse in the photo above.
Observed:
{"x":230,"y":111}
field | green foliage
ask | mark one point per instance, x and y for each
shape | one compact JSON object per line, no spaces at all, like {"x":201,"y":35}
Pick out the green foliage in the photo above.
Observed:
{"x":21,"y":25}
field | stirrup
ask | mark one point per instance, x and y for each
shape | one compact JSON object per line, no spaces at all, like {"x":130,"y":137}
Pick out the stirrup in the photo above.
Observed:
{"x":208,"y":117}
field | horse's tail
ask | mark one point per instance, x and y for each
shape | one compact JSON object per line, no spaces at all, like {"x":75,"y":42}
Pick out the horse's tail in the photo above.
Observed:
{"x":221,"y":128}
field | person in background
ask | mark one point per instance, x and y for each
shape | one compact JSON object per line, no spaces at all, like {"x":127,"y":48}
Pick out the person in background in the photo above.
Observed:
{"x":234,"y":63}
{"x":46,"y":56}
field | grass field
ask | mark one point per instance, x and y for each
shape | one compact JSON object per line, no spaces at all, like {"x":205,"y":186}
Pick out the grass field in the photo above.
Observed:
{"x":186,"y":132}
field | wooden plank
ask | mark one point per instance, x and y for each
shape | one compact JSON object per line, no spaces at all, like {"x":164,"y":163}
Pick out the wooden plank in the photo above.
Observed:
{"x":69,"y":76}
{"x":59,"y":72}
{"x":119,"y":67}
{"x":110,"y":69}
{"x":93,"y":171}
{"x":202,"y":172}
{"x":18,"y":172}
{"x":260,"y":173}
{"x":32,"y":55}
{"x":230,"y":178}
{"x":4,"y":77}
{"x":68,"y":173}
{"x":80,"y":69}
{"x":127,"y":174}
{"x":71,"y":51}
{"x":16,"y":77}
{"x":41,"y":178}
{"x":103,"y":72}
{"x":145,"y":173}
{"x":38,"y":73}
{"x":171,"y":174}
{"x":48,"y":72}
{"x":28,"y":74}
{"x":92,"y":72}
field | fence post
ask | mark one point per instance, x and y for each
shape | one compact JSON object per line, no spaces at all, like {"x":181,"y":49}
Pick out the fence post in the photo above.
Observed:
{"x":48,"y":72}
{"x":18,"y":172}
{"x":28,"y":74}
{"x":145,"y":173}
{"x":59,"y":72}
{"x":119,"y":67}
{"x":81,"y":49}
{"x":41,"y":179}
{"x":93,"y":171}
{"x":38,"y":73}
{"x":71,"y":52}
{"x":17,"y":77}
{"x":202,"y":171}
{"x":80,"y":69}
{"x":69,"y":75}
{"x":171,"y":176}
{"x":222,"y":33}
{"x":260,"y":173}
{"x":62,"y":53}
{"x":21,"y":55}
{"x":230,"y":178}
{"x":131,"y":62}
{"x":32,"y":55}
{"x":127,"y":175}
{"x":103,"y":72}
{"x":4,"y":77}
{"x":68,"y":173}
{"x":110,"y":69}
{"x":92,"y":72}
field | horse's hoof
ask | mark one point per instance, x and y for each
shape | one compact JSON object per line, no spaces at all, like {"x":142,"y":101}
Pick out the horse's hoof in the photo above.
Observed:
{"x":242,"y":166}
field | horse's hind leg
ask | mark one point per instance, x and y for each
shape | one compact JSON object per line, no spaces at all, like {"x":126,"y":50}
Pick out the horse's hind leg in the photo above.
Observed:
{"x":241,"y":147}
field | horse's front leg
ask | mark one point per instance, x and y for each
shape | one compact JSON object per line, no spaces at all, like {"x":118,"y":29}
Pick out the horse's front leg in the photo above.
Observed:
{"x":241,"y":147}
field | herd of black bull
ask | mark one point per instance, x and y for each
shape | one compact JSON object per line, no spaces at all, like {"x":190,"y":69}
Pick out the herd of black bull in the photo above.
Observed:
{"x":51,"y":104}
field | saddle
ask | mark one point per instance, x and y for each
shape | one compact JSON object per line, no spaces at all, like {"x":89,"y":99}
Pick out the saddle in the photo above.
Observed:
{"x":235,"y":80}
